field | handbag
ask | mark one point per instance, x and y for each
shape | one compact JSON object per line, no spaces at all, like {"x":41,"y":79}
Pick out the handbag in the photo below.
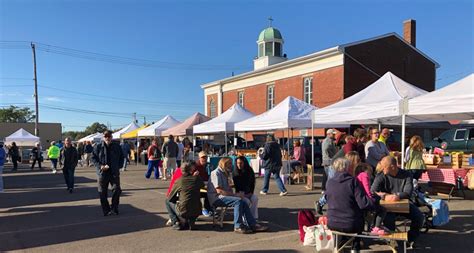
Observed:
{"x":309,"y":236}
{"x":324,"y":239}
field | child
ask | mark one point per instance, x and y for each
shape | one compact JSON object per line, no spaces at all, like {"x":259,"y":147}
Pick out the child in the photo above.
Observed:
{"x":362,"y":173}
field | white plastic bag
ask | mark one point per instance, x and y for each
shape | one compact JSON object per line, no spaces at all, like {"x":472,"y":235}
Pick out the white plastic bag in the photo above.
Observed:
{"x":324,"y":239}
{"x":309,"y":239}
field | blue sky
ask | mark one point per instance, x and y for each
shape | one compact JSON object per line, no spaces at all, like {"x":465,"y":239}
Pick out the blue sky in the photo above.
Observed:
{"x":207,"y":39}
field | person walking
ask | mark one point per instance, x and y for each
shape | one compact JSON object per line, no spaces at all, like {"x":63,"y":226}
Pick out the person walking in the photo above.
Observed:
{"x":170,"y":152}
{"x":179,"y":157}
{"x":15,"y":155}
{"x":36,"y":154}
{"x":88,"y":149}
{"x":328,"y":149}
{"x":108,"y":160}
{"x":272,"y":163}
{"x":126,"y":154}
{"x":53,"y":155}
{"x":3,"y":155}
{"x":69,"y":159}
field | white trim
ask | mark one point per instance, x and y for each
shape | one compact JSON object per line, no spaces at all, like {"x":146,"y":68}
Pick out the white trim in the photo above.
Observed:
{"x":455,"y":133}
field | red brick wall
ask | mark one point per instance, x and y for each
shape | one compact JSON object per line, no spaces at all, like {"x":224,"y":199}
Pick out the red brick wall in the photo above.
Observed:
{"x":213,"y":96}
{"x":328,"y":86}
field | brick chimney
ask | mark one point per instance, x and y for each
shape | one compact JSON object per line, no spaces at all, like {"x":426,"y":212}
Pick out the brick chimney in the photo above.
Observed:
{"x":409,"y":31}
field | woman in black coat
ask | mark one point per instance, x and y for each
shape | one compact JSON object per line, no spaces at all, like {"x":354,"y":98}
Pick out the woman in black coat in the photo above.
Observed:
{"x":244,"y":181}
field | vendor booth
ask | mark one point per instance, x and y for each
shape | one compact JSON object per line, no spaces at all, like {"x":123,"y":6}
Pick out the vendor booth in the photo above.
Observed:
{"x":157,"y":128}
{"x":186,"y":127}
{"x":130,"y":127}
{"x":22,"y":138}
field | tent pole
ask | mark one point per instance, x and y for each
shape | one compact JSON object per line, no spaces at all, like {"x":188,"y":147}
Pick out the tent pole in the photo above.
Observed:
{"x":225,"y":134}
{"x":310,"y":173}
{"x":288,"y":155}
{"x":403,"y":141}
{"x":192,"y":140}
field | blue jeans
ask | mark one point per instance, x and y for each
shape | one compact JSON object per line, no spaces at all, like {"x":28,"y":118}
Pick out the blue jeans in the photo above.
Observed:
{"x":241,"y":210}
{"x":54,"y":161}
{"x":416,"y":216}
{"x":276,"y":176}
{"x":153,"y":165}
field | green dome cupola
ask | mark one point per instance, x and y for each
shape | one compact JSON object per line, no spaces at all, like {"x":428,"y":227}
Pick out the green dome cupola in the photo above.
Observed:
{"x":270,"y":47}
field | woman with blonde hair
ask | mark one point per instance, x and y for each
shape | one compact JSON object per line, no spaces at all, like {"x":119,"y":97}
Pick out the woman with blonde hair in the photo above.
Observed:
{"x":354,"y":158}
{"x":415,"y":162}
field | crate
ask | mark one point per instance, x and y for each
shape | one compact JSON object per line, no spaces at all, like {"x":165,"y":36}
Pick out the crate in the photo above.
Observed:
{"x":431,"y":159}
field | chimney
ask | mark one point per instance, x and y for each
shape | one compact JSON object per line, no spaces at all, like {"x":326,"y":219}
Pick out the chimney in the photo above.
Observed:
{"x":409,"y":31}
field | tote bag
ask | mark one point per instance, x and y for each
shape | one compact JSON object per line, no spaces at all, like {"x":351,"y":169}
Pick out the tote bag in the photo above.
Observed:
{"x":324,"y":239}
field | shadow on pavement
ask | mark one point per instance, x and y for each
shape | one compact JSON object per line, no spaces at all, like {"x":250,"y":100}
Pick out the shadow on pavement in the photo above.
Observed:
{"x":55,"y":225}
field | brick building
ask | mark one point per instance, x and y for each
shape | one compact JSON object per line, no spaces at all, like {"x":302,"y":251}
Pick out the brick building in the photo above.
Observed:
{"x":321,"y":78}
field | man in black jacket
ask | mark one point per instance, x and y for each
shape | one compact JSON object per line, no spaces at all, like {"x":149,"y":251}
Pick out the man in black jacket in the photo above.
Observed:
{"x":108,"y":160}
{"x":272,"y":163}
{"x":69,"y":159}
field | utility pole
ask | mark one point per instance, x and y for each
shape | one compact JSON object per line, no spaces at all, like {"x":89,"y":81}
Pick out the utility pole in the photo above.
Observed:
{"x":36,"y":91}
{"x":135,"y":117}
{"x":144,"y":120}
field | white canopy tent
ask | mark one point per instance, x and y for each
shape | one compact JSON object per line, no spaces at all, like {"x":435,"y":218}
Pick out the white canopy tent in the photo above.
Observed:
{"x":156,"y":129}
{"x":96,"y":137}
{"x":223,"y":123}
{"x":290,"y":113}
{"x":383,"y":102}
{"x":452,"y":102}
{"x":130,"y":127}
{"x":22,"y":138}
{"x":379,"y":103}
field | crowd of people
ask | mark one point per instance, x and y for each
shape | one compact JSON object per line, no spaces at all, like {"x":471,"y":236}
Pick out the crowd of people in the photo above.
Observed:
{"x":358,"y":173}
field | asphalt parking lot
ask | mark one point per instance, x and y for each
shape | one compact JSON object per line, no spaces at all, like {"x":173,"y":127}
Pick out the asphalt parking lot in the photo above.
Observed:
{"x":37,"y":214}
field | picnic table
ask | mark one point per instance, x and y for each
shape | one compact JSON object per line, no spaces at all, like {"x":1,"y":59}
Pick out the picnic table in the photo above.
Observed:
{"x":400,"y":206}
{"x":446,"y":178}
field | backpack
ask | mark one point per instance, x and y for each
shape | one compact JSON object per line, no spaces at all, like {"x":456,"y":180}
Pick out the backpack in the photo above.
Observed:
{"x":305,"y":218}
{"x":156,"y":153}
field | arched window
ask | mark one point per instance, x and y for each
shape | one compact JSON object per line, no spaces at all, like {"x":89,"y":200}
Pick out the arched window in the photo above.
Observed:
{"x":212,"y":108}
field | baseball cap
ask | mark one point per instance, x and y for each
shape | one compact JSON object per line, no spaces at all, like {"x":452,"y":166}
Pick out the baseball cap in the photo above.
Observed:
{"x":331,"y":131}
{"x":202,"y":154}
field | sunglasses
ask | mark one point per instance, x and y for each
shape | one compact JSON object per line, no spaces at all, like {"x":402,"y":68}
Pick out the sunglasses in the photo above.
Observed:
{"x":108,"y":136}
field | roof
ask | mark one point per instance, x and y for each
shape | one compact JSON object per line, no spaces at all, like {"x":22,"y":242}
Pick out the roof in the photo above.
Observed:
{"x":311,"y":57}
{"x":269,"y":33}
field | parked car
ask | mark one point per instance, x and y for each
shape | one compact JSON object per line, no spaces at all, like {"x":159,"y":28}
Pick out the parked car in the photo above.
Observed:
{"x":459,"y":139}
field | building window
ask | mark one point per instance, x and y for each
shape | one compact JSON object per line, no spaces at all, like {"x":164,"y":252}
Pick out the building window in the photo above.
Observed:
{"x":270,"y":96}
{"x":308,"y":90}
{"x":260,"y":50}
{"x":277,"y":49}
{"x":212,"y":108}
{"x":268,"y":49}
{"x":241,"y":98}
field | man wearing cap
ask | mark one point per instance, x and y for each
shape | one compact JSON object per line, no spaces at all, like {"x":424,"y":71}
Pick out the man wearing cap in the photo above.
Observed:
{"x":272,"y":163}
{"x":108,"y":160}
{"x":328,"y":149}
{"x":170,"y":152}
{"x":69,"y":159}
{"x":202,"y":168}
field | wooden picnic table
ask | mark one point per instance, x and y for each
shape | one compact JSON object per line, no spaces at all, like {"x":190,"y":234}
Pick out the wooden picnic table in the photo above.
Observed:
{"x":401,"y":206}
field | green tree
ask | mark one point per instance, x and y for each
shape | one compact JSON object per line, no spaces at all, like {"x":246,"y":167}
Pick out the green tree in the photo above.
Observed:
{"x":14,"y":114}
{"x":95,"y":127}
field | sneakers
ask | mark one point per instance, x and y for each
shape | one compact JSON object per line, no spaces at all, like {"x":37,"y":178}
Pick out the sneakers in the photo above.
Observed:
{"x":169,"y":223}
{"x":242,"y":230}
{"x":206,"y":213}
{"x":378,"y":231}
{"x":54,"y":171}
{"x":263,"y":193}
{"x":283,"y":193}
{"x":177,"y":226}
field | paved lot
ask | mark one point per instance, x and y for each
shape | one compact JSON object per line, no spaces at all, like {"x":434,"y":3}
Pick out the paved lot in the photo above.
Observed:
{"x":38,"y":215}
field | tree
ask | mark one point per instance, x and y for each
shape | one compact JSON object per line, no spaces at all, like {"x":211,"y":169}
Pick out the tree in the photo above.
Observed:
{"x":95,"y":127}
{"x":14,"y":114}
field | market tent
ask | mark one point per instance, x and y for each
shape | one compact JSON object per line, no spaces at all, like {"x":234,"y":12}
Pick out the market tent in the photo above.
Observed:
{"x":452,"y":102}
{"x":186,"y":127}
{"x":132,"y":134}
{"x":22,"y":138}
{"x":290,"y":113}
{"x":156,"y":129}
{"x":379,"y":103}
{"x":96,"y":137}
{"x":130,"y":127}
{"x":224,"y":122}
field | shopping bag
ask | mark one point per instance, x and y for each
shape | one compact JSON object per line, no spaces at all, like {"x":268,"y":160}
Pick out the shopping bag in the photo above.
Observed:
{"x":440,"y":212}
{"x":324,"y":239}
{"x":305,"y":218}
{"x":309,"y":239}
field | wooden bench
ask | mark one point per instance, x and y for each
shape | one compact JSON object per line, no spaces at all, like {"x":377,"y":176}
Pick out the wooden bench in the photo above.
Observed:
{"x":391,"y":239}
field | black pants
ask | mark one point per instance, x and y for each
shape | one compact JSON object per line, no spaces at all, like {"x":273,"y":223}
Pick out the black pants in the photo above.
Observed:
{"x":69,"y":177}
{"x":416,"y":216}
{"x":15,"y":162}
{"x":178,"y":163}
{"x":325,"y":178}
{"x":114,"y":180}
{"x":34,"y":161}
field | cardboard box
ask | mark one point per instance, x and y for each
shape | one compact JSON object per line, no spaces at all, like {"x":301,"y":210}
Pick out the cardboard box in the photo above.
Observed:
{"x":431,"y":159}
{"x":447,"y":159}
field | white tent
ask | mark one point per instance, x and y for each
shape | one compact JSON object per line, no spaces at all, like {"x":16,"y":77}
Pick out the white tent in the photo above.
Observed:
{"x":452,"y":102}
{"x":290,"y":113}
{"x":130,"y":127}
{"x":96,"y":137}
{"x":379,"y":103}
{"x":224,"y":122}
{"x":22,"y":138}
{"x":156,"y":129}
